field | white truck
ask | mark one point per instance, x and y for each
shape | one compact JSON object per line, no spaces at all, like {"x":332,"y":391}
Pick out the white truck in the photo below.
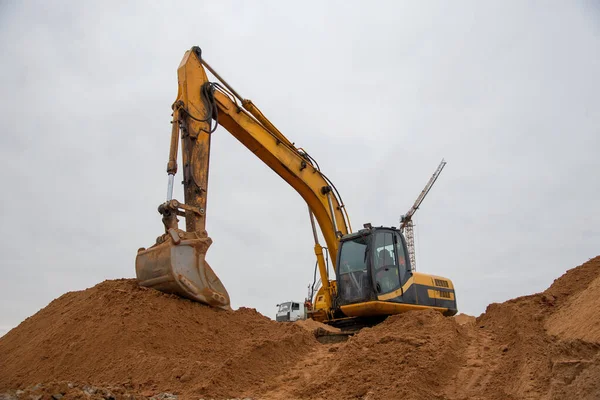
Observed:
{"x":290,"y":311}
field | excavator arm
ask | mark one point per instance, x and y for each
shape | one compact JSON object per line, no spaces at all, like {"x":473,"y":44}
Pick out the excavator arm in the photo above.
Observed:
{"x":201,"y":105}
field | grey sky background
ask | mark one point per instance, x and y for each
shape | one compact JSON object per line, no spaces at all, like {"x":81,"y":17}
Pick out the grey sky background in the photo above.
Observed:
{"x":508,"y":92}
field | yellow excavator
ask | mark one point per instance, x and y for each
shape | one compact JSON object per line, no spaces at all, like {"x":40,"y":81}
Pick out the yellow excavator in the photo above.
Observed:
{"x":373,"y":275}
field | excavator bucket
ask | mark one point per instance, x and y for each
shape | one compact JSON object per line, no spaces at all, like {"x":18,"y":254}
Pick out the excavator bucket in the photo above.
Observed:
{"x":176,"y":264}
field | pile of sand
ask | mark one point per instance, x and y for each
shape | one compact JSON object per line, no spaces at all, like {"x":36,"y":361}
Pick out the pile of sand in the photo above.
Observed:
{"x":512,"y":355}
{"x":141,"y":342}
{"x":314,"y":326}
{"x":579,"y":318}
{"x":119,"y":333}
{"x":389,"y":360}
{"x":464,"y":319}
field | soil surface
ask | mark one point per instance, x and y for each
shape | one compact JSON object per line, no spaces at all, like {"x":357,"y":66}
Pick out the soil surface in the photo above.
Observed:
{"x":313,"y":326}
{"x":118,"y":333}
{"x":117,"y":340}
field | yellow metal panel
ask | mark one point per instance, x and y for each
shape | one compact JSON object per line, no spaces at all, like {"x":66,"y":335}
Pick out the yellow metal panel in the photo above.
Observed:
{"x":435,"y":278}
{"x":287,"y":163}
{"x":419,"y":279}
{"x":436,"y":294}
{"x":272,"y":149}
{"x":195,"y":146}
{"x":261,"y":137}
{"x":372,"y":308}
{"x":399,"y":291}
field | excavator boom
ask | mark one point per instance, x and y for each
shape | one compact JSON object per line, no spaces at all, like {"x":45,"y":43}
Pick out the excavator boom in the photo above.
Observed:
{"x":176,"y":264}
{"x":373,"y":277}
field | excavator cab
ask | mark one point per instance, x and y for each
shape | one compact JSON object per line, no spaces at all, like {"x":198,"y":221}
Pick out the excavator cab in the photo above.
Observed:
{"x":370,"y":264}
{"x":374,"y":277}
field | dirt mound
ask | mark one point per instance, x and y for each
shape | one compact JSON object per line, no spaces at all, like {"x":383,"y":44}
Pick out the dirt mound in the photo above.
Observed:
{"x":412,"y":355}
{"x":464,"y":319}
{"x":71,"y":391}
{"x":575,"y":280}
{"x":511,"y":355}
{"x":579,"y":317}
{"x":119,"y":333}
{"x":132,"y":342}
{"x":312,"y":326}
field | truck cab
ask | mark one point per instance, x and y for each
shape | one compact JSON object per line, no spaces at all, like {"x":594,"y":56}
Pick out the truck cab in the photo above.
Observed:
{"x":290,"y":311}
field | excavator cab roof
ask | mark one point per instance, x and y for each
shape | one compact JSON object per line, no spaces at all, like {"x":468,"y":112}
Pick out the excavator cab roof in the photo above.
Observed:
{"x":366,"y":231}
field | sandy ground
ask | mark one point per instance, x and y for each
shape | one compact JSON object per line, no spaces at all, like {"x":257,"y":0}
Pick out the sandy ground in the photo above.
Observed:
{"x":117,"y":340}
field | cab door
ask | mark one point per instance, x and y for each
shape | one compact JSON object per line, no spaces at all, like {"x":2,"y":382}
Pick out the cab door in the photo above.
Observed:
{"x":404,"y":267}
{"x":385,"y":263}
{"x":295,"y":313}
{"x":353,"y":280}
{"x":409,"y":292}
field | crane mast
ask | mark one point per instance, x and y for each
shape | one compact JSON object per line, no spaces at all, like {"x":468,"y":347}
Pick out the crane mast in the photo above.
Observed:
{"x":406,"y":222}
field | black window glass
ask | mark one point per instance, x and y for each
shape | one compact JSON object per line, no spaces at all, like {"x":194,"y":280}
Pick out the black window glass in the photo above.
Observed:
{"x":353,"y":256}
{"x":354,"y":282}
{"x":385,"y":264}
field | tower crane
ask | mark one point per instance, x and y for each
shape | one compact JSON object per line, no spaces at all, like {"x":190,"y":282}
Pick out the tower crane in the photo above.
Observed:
{"x":406,"y":222}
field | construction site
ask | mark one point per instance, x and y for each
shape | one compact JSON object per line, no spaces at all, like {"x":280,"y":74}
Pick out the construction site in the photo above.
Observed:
{"x":121,"y":341}
{"x":373,"y":328}
{"x":115,"y":288}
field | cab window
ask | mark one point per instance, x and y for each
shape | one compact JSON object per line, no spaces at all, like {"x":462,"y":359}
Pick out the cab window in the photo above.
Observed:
{"x":385,"y":263}
{"x":353,"y":256}
{"x":295,"y":306}
{"x":354,"y":282}
{"x":402,"y":258}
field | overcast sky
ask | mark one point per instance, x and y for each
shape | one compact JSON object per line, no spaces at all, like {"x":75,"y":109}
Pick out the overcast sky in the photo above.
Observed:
{"x":378,"y":92}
